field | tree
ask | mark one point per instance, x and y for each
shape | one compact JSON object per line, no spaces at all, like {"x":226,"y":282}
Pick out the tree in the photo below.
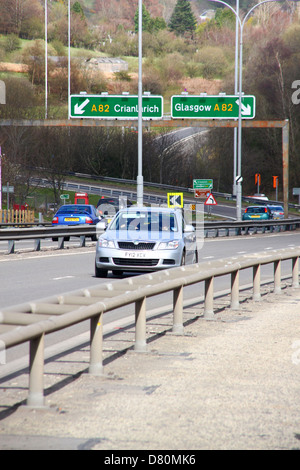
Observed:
{"x":54,"y":154}
{"x":146,"y":19}
{"x":157,"y":24}
{"x":77,"y":8}
{"x":183,"y":19}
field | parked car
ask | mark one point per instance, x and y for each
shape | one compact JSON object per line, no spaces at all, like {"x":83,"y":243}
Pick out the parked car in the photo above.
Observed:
{"x":76,"y":214}
{"x":145,"y":239}
{"x":277,"y":212}
{"x":257,"y":213}
{"x":109,"y":206}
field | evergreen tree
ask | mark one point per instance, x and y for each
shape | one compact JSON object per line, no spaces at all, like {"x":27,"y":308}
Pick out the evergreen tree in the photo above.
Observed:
{"x":146,"y":19}
{"x":77,"y":8}
{"x":183,"y":19}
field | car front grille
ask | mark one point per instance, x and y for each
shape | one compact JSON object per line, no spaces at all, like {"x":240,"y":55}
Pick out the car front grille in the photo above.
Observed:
{"x":136,"y":245}
{"x":135,"y":262}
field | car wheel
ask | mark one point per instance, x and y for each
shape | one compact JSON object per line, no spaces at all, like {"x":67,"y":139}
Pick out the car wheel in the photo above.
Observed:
{"x":100,"y":272}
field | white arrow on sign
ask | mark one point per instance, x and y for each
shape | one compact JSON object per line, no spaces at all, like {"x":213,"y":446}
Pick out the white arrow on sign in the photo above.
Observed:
{"x":246,"y":110}
{"x":78,"y":108}
{"x":175,"y":200}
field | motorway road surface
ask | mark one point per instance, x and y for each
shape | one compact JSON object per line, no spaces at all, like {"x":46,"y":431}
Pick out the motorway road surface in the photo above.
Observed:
{"x":30,"y":276}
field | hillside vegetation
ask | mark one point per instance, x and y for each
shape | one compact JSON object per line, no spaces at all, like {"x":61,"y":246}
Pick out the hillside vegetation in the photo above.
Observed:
{"x":200,"y":59}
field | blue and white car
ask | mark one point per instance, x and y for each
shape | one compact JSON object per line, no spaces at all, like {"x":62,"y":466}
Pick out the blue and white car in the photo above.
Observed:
{"x":145,"y":239}
{"x":76,"y":214}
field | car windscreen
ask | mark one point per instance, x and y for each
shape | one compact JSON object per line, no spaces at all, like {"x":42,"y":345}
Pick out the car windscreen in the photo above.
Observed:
{"x":145,"y":220}
{"x":256,"y":210}
{"x":276,"y":208}
{"x":113,"y":202}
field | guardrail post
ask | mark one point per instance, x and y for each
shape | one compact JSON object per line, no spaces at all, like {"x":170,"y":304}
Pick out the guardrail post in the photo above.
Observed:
{"x":295,"y":264}
{"x":277,"y":277}
{"x":140,"y":325}
{"x":178,"y":311}
{"x":61,"y":241}
{"x":36,"y":373}
{"x":11,"y":246}
{"x":37,"y":244}
{"x":209,"y":298}
{"x":96,"y":347}
{"x":235,"y":278}
{"x":82,"y":241}
{"x":256,"y":283}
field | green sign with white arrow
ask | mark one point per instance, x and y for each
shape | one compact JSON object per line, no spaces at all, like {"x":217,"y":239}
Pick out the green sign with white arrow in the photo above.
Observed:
{"x":202,"y":184}
{"x":115,"y":106}
{"x":212,"y":107}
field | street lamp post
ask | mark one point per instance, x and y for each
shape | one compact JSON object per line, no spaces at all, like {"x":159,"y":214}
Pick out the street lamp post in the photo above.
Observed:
{"x":0,"y":180}
{"x":46,"y":60}
{"x":236,"y":82}
{"x":241,"y":24}
{"x":69,"y":56}
{"x":140,"y":183}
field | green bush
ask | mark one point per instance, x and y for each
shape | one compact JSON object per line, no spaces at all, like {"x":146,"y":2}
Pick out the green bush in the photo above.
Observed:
{"x":212,"y":61}
{"x":11,"y":43}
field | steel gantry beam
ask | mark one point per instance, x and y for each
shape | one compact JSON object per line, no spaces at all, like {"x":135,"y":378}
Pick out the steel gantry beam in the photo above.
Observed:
{"x":172,"y":123}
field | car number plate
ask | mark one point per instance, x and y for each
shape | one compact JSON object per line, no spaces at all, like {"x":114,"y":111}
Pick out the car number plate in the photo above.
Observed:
{"x":71,"y":219}
{"x":133,"y":254}
{"x":254,"y":216}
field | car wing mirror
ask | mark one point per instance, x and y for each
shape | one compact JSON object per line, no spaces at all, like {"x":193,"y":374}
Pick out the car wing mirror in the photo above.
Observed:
{"x":189,"y":228}
{"x":101,"y":226}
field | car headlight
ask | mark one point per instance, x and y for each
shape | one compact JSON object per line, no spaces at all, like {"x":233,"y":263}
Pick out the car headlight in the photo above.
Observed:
{"x":106,"y":243}
{"x":170,"y":245}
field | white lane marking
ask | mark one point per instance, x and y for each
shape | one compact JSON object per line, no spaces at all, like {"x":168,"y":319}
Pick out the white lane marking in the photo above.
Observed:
{"x":62,"y":277}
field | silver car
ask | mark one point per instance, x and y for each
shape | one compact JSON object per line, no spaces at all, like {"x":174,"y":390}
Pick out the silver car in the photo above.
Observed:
{"x":277,"y":212}
{"x":145,"y":239}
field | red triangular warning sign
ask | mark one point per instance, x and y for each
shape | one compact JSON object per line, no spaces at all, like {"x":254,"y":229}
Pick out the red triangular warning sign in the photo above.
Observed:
{"x":210,"y":201}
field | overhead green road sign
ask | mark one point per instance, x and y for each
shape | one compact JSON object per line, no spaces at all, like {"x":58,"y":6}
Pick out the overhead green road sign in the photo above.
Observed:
{"x":203,"y":184}
{"x":212,"y":107}
{"x":115,"y":106}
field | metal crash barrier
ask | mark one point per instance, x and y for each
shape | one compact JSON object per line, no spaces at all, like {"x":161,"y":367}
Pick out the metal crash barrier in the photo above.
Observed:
{"x":33,"y":320}
{"x":210,"y":229}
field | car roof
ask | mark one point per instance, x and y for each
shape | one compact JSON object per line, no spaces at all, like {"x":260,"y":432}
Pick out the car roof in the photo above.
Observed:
{"x":77,"y":206}
{"x":136,"y":208}
{"x":108,"y":199}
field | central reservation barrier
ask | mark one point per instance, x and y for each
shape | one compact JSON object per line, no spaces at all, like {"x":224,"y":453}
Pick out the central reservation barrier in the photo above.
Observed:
{"x":214,"y":229}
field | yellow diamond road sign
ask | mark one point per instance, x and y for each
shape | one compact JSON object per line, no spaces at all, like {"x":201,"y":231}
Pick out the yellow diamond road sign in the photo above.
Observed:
{"x":175,"y":200}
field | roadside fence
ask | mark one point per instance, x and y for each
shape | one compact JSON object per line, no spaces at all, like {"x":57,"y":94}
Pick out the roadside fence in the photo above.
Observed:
{"x":10,"y":216}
